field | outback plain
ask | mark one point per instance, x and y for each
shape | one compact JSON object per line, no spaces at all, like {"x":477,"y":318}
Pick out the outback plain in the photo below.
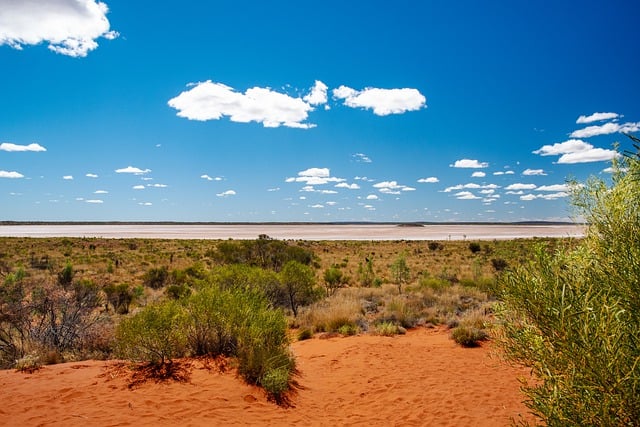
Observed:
{"x":372,"y":334}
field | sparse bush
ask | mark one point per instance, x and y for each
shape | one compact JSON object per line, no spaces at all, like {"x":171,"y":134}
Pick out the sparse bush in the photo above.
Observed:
{"x":156,"y":278}
{"x":28,"y":364}
{"x":475,"y":247}
{"x":389,"y":329}
{"x":468,"y":336}
{"x":305,"y":334}
{"x":153,"y":335}
{"x":499,"y":264}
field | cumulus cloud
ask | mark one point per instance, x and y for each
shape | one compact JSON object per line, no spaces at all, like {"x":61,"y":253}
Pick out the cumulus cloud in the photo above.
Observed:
{"x":429,"y":180}
{"x":596,"y":117}
{"x":91,"y":175}
{"x":372,"y":197}
{"x":360,"y":157}
{"x":10,"y":174}
{"x":469,"y":163}
{"x":520,"y":186}
{"x":530,"y":172}
{"x":478,"y":174}
{"x":94,"y":201}
{"x":315,"y":176}
{"x":70,"y":27}
{"x":382,"y":101}
{"x":101,"y":192}
{"x":392,"y":187}
{"x":554,"y":187}
{"x":133,"y":170}
{"x":7,"y":146}
{"x":353,"y":186}
{"x":466,"y":195}
{"x":226,"y":193}
{"x":317,"y":95}
{"x":317,"y":206}
{"x":157,"y":185}
{"x":138,"y":187}
{"x":576,"y":151}
{"x":509,"y":172}
{"x":212,"y":101}
{"x":551,"y":196}
{"x":605,"y":129}
{"x":471,"y":185}
{"x":68,"y":177}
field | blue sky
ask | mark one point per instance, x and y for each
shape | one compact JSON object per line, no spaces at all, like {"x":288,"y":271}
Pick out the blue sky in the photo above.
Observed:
{"x":301,"y":111}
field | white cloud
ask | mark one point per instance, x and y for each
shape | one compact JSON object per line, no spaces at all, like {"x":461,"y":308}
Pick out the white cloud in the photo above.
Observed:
{"x":372,"y":197}
{"x":392,"y":187}
{"x":94,"y":201}
{"x":353,"y":186}
{"x":605,"y":129}
{"x":429,"y":180}
{"x":593,"y":155}
{"x":7,"y":146}
{"x":509,"y":173}
{"x":382,"y":101}
{"x":138,"y":187}
{"x":226,"y":193}
{"x":71,"y":27}
{"x":101,"y":192}
{"x":466,"y":195}
{"x":91,"y":175}
{"x":145,"y":204}
{"x":570,"y":146}
{"x":478,"y":174}
{"x":273,"y":189}
{"x":331,"y":203}
{"x":469,"y":163}
{"x":212,"y":101}
{"x":318,"y":94}
{"x":315,"y":176}
{"x":133,"y":170}
{"x":318,"y":206}
{"x":157,"y":185}
{"x":68,"y":177}
{"x":360,"y":157}
{"x":471,"y":185}
{"x":519,"y":186}
{"x":328,"y":192}
{"x":530,"y":172}
{"x":10,"y":174}
{"x":488,"y":191}
{"x":552,"y":196}
{"x":596,"y":117}
{"x":554,"y":187}
{"x":207,"y":177}
{"x":576,"y":151}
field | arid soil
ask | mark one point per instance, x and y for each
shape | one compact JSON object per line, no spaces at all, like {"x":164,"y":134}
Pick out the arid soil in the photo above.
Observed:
{"x":422,"y":378}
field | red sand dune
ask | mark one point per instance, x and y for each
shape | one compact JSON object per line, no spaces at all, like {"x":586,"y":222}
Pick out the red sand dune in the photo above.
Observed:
{"x":422,"y":378}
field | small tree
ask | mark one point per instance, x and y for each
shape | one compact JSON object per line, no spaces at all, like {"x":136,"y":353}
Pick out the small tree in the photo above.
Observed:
{"x":400,"y":271}
{"x":333,"y":280}
{"x":298,"y":281}
{"x":366,"y":273}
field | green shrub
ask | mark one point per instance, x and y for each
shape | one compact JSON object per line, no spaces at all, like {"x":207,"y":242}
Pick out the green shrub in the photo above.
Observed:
{"x":389,"y":329}
{"x":305,"y":334}
{"x":155,"y":278}
{"x":468,"y":336}
{"x":153,"y":335}
{"x":574,"y":316}
{"x":474,"y":247}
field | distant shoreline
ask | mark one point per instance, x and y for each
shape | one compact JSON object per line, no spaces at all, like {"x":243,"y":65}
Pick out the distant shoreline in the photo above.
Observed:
{"x":292,"y":231}
{"x":398,"y":223}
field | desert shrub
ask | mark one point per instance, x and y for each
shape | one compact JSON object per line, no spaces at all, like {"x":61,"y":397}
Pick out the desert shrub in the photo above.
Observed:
{"x":389,"y":329}
{"x":65,"y":276}
{"x":251,"y":278}
{"x":264,"y":252}
{"x":119,"y":296}
{"x":305,"y":334}
{"x":178,"y":291}
{"x":468,"y":336}
{"x":328,"y":315}
{"x":334,"y":279}
{"x":156,"y":278}
{"x":475,"y":247}
{"x":348,"y":329}
{"x":499,"y":264}
{"x":434,"y":246}
{"x":574,"y":316}
{"x":400,"y":271}
{"x":153,"y":335}
{"x":241,"y":322}
{"x":28,"y":364}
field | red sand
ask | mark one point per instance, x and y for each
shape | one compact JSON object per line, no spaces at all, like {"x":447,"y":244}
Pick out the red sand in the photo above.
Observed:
{"x":422,"y":378}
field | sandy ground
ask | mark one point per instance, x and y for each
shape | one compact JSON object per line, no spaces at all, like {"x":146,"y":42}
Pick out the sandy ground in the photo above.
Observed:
{"x":298,"y":231}
{"x":420,"y":379}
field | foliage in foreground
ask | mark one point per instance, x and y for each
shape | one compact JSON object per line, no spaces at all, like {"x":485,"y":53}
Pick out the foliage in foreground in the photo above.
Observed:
{"x":212,"y":322}
{"x":574,"y":317}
